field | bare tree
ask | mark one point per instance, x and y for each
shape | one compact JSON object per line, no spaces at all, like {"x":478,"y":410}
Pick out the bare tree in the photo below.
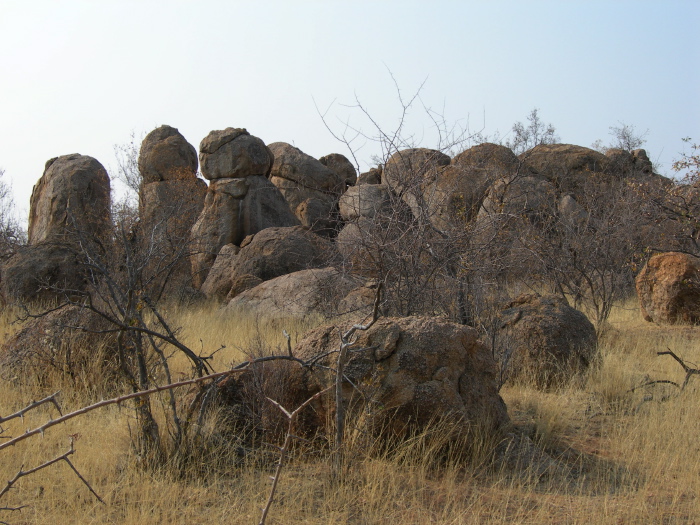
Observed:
{"x":526,"y":137}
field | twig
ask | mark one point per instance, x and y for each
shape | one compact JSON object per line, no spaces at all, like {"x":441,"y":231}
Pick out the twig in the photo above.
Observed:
{"x":291,"y":416}
{"x":33,"y":405}
{"x":63,"y":457}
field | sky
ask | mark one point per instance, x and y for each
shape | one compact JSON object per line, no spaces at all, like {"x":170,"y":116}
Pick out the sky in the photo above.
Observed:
{"x":83,"y":76}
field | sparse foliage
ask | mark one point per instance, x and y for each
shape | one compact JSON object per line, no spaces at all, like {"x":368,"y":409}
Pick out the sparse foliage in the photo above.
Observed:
{"x":534,"y":133}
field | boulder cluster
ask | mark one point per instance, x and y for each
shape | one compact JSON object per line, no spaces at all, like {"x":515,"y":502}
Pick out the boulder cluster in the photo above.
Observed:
{"x":271,"y":229}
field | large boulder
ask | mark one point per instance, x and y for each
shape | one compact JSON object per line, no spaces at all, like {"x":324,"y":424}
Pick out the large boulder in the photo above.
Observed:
{"x":566,"y":166}
{"x":456,"y":193}
{"x":43,"y":272}
{"x":520,"y":196}
{"x":265,"y":255}
{"x":668,"y":288}
{"x":69,"y":344}
{"x":233,"y":153}
{"x":310,"y":188}
{"x":299,"y":294}
{"x":365,"y":200}
{"x":341,"y":166}
{"x":73,"y":195}
{"x":409,"y":171}
{"x":165,"y":156}
{"x":234,"y":209}
{"x":543,"y":341}
{"x":405,"y":374}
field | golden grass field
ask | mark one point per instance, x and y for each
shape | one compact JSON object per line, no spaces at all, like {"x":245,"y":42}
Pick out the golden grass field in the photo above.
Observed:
{"x":623,"y":457}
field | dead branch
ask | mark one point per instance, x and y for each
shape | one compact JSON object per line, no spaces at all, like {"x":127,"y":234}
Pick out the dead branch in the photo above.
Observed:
{"x":143,"y":393}
{"x":291,"y":416}
{"x":345,"y":345}
{"x":34,"y":404}
{"x":23,"y":473}
{"x":688,"y":370}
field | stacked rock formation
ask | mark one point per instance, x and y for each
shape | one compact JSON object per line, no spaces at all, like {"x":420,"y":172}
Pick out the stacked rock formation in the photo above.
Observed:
{"x":240,"y":200}
{"x":171,"y":197}
{"x":311,"y":189}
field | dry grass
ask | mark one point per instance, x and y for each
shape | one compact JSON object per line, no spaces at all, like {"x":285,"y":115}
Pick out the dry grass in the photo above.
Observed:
{"x":623,"y":457}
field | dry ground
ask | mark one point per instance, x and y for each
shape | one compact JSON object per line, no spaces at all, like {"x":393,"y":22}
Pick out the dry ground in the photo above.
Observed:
{"x":623,"y":457}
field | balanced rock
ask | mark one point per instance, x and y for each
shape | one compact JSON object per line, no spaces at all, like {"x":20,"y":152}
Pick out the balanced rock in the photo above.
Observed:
{"x":406,"y":374}
{"x":72,"y":196}
{"x":543,"y":341}
{"x":165,"y":156}
{"x":233,"y":153}
{"x":234,"y":209}
{"x":668,"y":288}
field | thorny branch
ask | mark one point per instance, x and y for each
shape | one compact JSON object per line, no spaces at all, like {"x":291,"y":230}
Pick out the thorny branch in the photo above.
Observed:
{"x":22,"y":473}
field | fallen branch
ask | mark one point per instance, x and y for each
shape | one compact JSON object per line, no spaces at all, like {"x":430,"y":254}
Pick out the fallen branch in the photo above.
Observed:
{"x":688,"y":370}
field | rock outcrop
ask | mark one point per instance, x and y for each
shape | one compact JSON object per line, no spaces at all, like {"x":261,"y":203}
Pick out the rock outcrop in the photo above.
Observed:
{"x":233,"y":153}
{"x":543,"y":341}
{"x":165,"y":155}
{"x":411,"y":372}
{"x":341,"y":166}
{"x":70,"y":212}
{"x":171,"y":198}
{"x":265,"y":255}
{"x":668,"y":288}
{"x":298,"y":294}
{"x":234,"y":207}
{"x":310,"y":188}
{"x":73,"y":195}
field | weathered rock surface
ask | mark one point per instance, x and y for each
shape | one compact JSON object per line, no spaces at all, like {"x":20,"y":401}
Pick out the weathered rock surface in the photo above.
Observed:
{"x":233,"y":209}
{"x":42,"y":272}
{"x":413,"y":371}
{"x":233,"y":153}
{"x":455,"y":195}
{"x":341,"y":166}
{"x":668,"y":288}
{"x":72,"y":195}
{"x":365,"y":200}
{"x":310,"y":188}
{"x":265,"y":255}
{"x":298,"y":294}
{"x":566,"y":166}
{"x":409,"y":169}
{"x":530,"y":196}
{"x":165,"y":156}
{"x":51,"y":345}
{"x":544,"y":341}
{"x":373,"y":176}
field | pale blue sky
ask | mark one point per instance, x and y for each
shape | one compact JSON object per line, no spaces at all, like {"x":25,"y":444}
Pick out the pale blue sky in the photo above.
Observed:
{"x":79,"y":76}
